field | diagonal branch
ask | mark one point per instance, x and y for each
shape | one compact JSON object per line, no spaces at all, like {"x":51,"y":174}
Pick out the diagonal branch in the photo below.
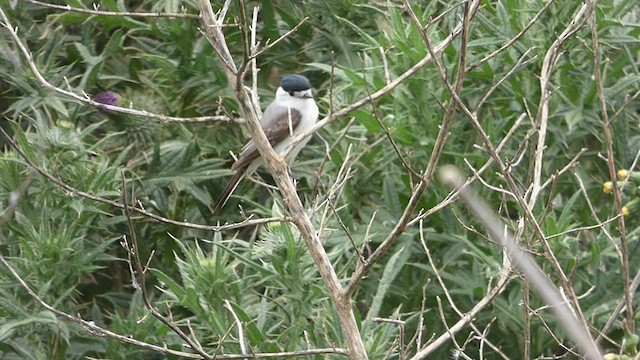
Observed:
{"x":540,"y":281}
{"x":97,"y":12}
{"x":139,"y":209}
{"x":425,"y":180}
{"x":84,"y":98}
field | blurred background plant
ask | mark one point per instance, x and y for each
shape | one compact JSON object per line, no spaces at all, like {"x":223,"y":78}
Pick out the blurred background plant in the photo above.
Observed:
{"x":68,"y":248}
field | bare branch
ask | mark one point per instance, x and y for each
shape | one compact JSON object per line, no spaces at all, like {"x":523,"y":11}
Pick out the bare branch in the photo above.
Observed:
{"x":276,"y":164}
{"x":509,"y":43}
{"x":543,"y":285}
{"x":138,"y":277}
{"x":611,"y":166}
{"x":71,"y":191}
{"x":117,"y":13}
{"x":425,"y":180}
{"x":84,"y":98}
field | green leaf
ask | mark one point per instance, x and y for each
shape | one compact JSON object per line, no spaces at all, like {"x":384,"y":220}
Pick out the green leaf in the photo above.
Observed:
{"x":391,"y":270}
{"x":367,"y":119}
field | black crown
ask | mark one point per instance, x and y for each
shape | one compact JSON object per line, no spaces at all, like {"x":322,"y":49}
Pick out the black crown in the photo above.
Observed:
{"x":295,"y":82}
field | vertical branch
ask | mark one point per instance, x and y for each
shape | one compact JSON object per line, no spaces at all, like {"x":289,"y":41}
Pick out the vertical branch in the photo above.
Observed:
{"x":213,"y":33}
{"x":548,"y":67}
{"x":278,"y":168}
{"x":254,"y":62}
{"x":611,"y":165}
{"x":526,"y":351}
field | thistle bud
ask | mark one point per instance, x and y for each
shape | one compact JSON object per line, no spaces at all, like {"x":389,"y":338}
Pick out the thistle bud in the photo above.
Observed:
{"x":107,"y":98}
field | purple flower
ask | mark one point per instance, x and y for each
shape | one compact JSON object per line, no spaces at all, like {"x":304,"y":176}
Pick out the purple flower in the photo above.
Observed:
{"x":107,"y":98}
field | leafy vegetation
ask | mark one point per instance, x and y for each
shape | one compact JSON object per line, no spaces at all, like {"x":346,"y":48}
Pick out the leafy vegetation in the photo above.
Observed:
{"x":73,"y":178}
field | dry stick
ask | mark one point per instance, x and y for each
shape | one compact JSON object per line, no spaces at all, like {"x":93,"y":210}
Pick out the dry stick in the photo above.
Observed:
{"x":299,"y":216}
{"x":244,"y":41}
{"x":85,"y":98}
{"x":543,"y":285}
{"x":140,"y":280}
{"x":483,"y":339}
{"x":611,"y":165}
{"x":454,"y":194}
{"x":636,"y":280}
{"x":90,"y":326}
{"x":474,"y":4}
{"x":627,"y":101}
{"x":473,"y":119}
{"x":255,"y":97}
{"x":548,"y":66}
{"x":425,"y":180}
{"x":236,"y":319}
{"x":116,"y":13}
{"x":573,"y":163}
{"x":509,"y":43}
{"x":71,"y":191}
{"x":503,"y":280}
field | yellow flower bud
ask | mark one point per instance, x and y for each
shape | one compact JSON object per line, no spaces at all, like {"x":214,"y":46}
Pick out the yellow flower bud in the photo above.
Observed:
{"x":622,"y":174}
{"x":631,"y":207}
{"x":607,"y":187}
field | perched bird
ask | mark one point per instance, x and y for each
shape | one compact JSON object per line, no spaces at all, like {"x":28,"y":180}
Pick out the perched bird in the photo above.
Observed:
{"x":292,"y":112}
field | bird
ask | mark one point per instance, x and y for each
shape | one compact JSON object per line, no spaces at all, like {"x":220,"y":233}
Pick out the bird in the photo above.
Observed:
{"x":292,"y":112}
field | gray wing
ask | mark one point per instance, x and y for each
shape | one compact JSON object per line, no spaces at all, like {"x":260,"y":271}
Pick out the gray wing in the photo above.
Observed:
{"x":277,"y":122}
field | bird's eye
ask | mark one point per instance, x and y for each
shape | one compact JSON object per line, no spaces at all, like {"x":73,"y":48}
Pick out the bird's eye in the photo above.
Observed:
{"x":291,"y":93}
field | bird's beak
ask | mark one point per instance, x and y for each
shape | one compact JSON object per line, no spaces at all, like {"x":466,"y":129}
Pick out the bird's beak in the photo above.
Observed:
{"x":307,"y":95}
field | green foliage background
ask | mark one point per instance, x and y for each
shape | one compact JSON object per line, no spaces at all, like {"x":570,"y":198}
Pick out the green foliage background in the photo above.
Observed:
{"x":69,"y":248}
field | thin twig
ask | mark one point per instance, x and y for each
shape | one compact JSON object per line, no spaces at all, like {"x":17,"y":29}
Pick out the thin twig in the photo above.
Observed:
{"x":71,"y":191}
{"x":425,"y":180}
{"x":117,"y":13}
{"x":513,"y":40}
{"x":139,"y":278}
{"x":269,"y":45}
{"x":236,"y":319}
{"x":90,"y":326}
{"x":86,"y":99}
{"x":611,"y":166}
{"x":566,"y":316}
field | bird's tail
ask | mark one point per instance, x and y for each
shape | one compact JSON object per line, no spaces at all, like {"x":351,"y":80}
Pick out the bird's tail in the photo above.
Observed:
{"x":228,"y":190}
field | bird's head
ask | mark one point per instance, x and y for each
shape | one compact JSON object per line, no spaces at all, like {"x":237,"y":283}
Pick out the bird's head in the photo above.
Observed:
{"x":296,"y":86}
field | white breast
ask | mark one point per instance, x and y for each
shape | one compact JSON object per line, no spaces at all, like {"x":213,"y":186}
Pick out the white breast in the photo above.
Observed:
{"x":310,"y":112}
